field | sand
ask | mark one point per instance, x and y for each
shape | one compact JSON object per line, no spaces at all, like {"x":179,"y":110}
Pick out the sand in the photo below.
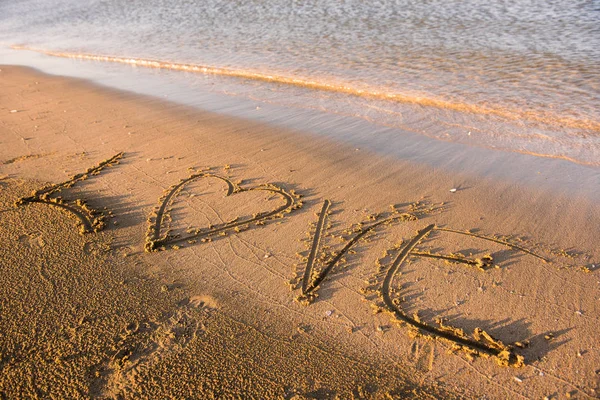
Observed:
{"x":216,"y":257}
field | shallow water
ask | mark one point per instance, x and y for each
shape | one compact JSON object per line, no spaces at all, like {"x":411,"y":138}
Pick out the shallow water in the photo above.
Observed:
{"x":517,"y":76}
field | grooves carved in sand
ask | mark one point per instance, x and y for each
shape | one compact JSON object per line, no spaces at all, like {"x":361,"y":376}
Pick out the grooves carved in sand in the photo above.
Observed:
{"x":127,"y":361}
{"x":495,"y":240}
{"x":157,"y":239}
{"x":481,"y":343}
{"x":319,"y":263}
{"x":90,"y":220}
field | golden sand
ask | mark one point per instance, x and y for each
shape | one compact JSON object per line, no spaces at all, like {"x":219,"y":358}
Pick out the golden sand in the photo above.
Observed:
{"x":175,"y":272}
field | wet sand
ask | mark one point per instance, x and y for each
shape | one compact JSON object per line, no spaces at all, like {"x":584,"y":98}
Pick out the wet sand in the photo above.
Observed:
{"x":349,"y":275}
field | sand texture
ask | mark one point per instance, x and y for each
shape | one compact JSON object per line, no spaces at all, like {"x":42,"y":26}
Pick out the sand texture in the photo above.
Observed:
{"x":151,"y":250}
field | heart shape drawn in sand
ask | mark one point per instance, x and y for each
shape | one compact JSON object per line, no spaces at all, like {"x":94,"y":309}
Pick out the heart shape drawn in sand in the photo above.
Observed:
{"x":480,"y":343}
{"x":157,"y":237}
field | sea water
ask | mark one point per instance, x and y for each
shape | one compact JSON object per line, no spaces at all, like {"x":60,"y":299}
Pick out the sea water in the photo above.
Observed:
{"x":517,"y":76}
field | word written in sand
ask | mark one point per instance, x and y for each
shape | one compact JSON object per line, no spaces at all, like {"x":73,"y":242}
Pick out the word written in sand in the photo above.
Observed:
{"x":319,"y":260}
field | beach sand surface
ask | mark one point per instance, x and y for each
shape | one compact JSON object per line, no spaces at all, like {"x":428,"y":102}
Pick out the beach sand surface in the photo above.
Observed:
{"x":219,"y":309}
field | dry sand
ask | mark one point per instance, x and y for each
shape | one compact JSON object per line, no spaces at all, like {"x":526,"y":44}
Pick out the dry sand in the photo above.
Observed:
{"x":216,"y":312}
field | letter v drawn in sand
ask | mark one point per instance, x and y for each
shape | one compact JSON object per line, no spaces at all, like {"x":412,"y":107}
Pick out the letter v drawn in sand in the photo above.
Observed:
{"x":480,"y":343}
{"x":159,"y":236}
{"x":320,"y":261}
{"x":90,"y":220}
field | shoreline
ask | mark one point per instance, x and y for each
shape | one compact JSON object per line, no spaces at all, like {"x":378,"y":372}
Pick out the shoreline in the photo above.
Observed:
{"x":64,"y":126}
{"x":468,"y":154}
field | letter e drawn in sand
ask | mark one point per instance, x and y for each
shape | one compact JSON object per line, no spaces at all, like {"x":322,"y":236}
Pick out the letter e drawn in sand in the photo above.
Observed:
{"x":159,"y":236}
{"x":320,"y":261}
{"x":480,"y":343}
{"x":90,"y":220}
